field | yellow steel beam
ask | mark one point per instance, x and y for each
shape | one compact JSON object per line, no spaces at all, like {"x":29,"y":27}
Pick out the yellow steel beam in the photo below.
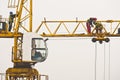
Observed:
{"x":108,"y":31}
{"x":10,"y":35}
{"x":19,"y":19}
{"x":66,"y":35}
{"x":30,"y":20}
{"x":52,"y":21}
{"x":77,"y":35}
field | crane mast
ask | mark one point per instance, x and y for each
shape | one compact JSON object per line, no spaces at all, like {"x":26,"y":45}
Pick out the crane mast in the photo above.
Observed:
{"x":21,"y":69}
{"x":19,"y":19}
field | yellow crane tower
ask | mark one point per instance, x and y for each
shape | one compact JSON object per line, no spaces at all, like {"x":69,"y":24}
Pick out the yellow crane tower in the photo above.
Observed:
{"x":22,"y":65}
{"x":22,"y":68}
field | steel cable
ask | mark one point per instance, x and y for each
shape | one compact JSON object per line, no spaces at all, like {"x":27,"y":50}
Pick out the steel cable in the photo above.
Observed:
{"x":95,"y":61}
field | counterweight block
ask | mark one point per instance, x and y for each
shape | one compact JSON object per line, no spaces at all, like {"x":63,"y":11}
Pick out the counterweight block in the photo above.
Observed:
{"x":22,"y":73}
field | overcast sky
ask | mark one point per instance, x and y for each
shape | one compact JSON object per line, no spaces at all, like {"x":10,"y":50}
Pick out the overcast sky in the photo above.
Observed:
{"x":71,"y":59}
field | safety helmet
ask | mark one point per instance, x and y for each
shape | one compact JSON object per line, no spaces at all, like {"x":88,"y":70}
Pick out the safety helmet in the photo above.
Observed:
{"x":11,"y":12}
{"x":92,"y":18}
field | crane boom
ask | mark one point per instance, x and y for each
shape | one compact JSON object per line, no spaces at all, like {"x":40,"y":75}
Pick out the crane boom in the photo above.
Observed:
{"x":77,"y":28}
{"x":78,"y":24}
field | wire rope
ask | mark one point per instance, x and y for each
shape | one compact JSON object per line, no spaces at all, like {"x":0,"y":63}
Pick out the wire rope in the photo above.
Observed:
{"x":104,"y":60}
{"x":109,"y":62}
{"x":95,"y":61}
{"x":95,"y":76}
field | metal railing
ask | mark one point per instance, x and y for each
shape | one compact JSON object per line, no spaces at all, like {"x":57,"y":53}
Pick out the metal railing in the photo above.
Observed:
{"x":44,"y":77}
{"x":4,"y":19}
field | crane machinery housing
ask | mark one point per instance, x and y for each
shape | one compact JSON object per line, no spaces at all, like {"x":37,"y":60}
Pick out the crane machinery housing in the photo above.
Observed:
{"x":36,"y":48}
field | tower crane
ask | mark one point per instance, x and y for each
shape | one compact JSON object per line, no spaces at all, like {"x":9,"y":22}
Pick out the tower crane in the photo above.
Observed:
{"x":35,"y":52}
{"x":23,"y":59}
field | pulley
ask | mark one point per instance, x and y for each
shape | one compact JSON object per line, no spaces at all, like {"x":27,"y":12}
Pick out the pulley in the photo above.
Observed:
{"x":100,"y":40}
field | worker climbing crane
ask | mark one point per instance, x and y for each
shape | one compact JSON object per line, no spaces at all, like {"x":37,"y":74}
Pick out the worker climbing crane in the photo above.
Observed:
{"x":23,"y":59}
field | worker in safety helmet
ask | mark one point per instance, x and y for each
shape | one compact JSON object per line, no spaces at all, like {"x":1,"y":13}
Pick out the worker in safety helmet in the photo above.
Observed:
{"x":11,"y":19}
{"x":98,"y":27}
{"x":89,"y":24}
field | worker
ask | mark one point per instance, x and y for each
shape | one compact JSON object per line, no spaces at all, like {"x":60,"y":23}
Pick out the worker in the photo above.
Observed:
{"x":89,"y":24}
{"x":98,"y":27}
{"x":11,"y":18}
{"x":36,"y":55}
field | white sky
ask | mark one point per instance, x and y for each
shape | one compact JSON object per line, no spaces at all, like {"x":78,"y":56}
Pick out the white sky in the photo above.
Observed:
{"x":71,"y":59}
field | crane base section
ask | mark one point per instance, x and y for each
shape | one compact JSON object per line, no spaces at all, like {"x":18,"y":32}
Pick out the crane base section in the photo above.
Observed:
{"x":22,"y":74}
